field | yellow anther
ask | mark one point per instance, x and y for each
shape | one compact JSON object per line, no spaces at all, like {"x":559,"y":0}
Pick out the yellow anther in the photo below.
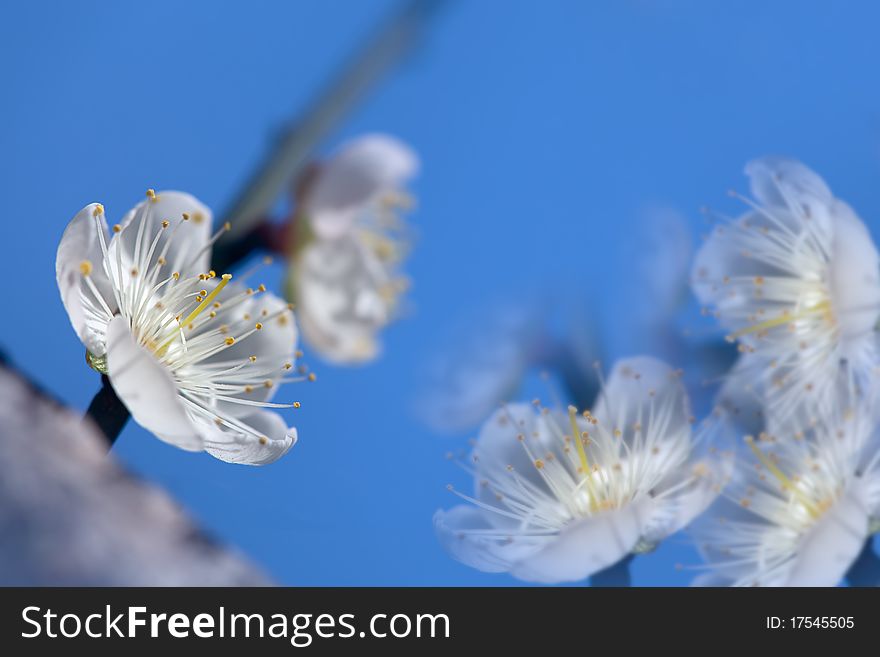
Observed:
{"x":258,"y":326}
{"x":268,"y":383}
{"x":230,"y":340}
{"x":185,"y":216}
{"x":212,"y":274}
{"x":250,"y":290}
{"x":216,"y":304}
{"x":134,"y":271}
{"x":161,"y":261}
{"x":264,"y":440}
{"x":227,"y":226}
{"x":785,"y":318}
{"x":248,"y":389}
{"x":151,"y":194}
{"x":98,"y":211}
{"x":297,"y":354}
{"x":582,"y":455}
{"x":212,"y":314}
{"x":198,"y":217}
{"x":246,"y":317}
{"x":296,"y":404}
{"x":261,"y":287}
{"x":287,"y":366}
{"x":312,"y":376}
{"x":539,"y":464}
{"x":253,"y":359}
{"x":176,"y":275}
{"x":204,"y":302}
{"x":117,"y":228}
{"x":787,"y":484}
{"x":85,"y":267}
{"x":165,"y":223}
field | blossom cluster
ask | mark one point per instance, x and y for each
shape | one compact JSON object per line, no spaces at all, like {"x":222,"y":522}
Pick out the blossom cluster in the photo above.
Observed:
{"x":778,"y":486}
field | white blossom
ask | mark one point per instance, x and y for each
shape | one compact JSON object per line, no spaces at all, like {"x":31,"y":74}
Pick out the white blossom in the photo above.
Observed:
{"x":561,"y":496}
{"x":195,"y":359}
{"x":796,"y":281}
{"x":798,"y":512}
{"x":348,"y":246}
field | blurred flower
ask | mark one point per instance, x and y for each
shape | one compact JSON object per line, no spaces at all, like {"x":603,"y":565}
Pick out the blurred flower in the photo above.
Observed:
{"x":493,"y":352}
{"x":797,"y":282}
{"x":799,"y":514}
{"x":551,"y":506}
{"x":193,"y":358}
{"x":348,"y":243}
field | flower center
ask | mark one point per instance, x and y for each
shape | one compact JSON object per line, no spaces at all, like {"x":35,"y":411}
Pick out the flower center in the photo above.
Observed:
{"x":819,"y":309}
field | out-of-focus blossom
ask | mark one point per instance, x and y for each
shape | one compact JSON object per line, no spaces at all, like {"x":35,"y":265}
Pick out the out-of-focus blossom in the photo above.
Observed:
{"x":560,"y":496}
{"x":348,"y":244}
{"x":796,"y":281}
{"x":800,"y":511}
{"x":493,"y":353}
{"x":194,"y":358}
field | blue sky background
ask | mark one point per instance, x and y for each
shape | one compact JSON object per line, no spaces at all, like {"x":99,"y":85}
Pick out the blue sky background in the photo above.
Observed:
{"x":545,"y":129}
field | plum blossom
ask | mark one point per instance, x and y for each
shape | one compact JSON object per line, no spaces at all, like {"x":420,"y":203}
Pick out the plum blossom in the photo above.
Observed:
{"x":195,"y":358}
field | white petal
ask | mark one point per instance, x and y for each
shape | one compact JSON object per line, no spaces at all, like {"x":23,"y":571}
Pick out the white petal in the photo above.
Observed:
{"x":637,"y":384}
{"x":855,"y":279}
{"x":186,"y":252}
{"x":80,"y":243}
{"x":147,"y":389}
{"x":460,"y":533}
{"x":721,"y":258}
{"x":234,"y":446}
{"x":832,"y":545}
{"x":330,"y":285}
{"x":667,"y":515}
{"x":498,"y":443}
{"x":498,"y":446}
{"x":783,"y":182}
{"x":584,"y":548}
{"x":355,"y":176}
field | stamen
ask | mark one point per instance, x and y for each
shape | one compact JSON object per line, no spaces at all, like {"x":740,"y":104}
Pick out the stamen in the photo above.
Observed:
{"x":206,"y":301}
{"x":582,"y":455}
{"x":787,"y":484}
{"x":787,"y":318}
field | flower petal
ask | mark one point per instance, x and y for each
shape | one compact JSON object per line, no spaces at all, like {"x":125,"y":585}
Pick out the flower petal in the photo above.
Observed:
{"x":585,"y":547}
{"x":356,"y":175}
{"x":147,"y":389}
{"x":832,"y":545}
{"x":339,"y":300}
{"x":234,"y":446}
{"x":185,"y":241}
{"x":635,"y":386}
{"x":787,"y":183}
{"x":80,"y":247}
{"x":467,"y":535}
{"x":855,"y":281}
{"x":667,"y":515}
